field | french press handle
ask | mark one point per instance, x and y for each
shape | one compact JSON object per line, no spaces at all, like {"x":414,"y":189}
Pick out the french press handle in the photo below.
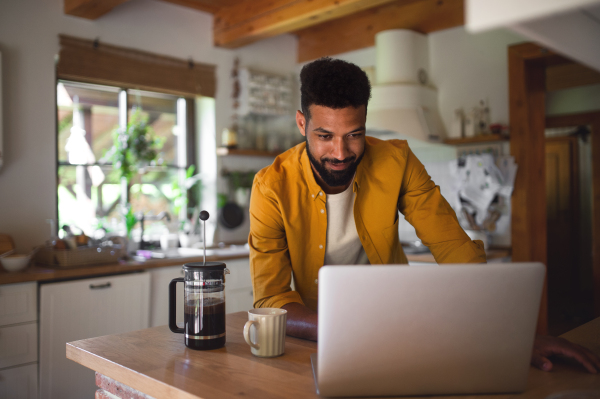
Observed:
{"x":173,"y":305}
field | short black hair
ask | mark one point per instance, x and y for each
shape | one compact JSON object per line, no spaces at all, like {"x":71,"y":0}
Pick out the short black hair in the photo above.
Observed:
{"x":334,"y":84}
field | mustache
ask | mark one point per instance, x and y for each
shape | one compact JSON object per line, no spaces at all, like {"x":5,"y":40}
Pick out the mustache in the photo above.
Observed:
{"x":335,"y":161}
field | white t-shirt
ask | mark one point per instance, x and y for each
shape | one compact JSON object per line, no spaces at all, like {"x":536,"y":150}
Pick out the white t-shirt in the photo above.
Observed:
{"x":343,"y":245}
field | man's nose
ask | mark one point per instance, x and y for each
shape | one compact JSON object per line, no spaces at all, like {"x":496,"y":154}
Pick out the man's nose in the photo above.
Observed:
{"x":340,"y":149}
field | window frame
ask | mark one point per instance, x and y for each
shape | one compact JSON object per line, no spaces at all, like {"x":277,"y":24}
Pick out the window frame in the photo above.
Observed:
{"x":184,"y":105}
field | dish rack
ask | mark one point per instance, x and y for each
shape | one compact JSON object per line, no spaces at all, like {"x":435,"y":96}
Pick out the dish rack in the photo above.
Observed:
{"x":107,"y":252}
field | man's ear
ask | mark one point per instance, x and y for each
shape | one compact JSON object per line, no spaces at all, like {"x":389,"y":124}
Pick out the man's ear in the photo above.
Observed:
{"x":301,"y":122}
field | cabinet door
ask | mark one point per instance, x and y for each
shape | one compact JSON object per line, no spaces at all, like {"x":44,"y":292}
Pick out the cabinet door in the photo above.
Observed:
{"x":239,"y":300}
{"x":19,"y":382}
{"x":81,"y":309}
{"x":159,"y":300}
{"x":239,"y":274}
{"x":238,"y":286}
{"x":18,"y":344}
{"x":18,"y":303}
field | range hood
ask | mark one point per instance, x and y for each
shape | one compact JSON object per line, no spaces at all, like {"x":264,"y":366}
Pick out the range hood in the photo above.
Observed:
{"x":403,"y":103}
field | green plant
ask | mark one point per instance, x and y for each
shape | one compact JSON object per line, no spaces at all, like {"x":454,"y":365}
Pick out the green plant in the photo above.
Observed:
{"x":179,"y":195}
{"x":242,"y":179}
{"x":135,"y":147}
{"x":130,"y":220}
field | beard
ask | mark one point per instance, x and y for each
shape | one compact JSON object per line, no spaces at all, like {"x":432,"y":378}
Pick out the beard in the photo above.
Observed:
{"x":334,"y":178}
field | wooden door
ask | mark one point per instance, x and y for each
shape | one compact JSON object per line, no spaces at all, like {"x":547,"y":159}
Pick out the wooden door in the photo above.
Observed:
{"x":562,"y":208}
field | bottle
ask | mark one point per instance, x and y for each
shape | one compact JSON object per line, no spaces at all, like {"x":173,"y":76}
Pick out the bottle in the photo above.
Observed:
{"x":261,"y":139}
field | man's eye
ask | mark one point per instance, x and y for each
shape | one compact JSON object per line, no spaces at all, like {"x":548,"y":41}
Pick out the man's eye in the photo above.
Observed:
{"x":324,"y":136}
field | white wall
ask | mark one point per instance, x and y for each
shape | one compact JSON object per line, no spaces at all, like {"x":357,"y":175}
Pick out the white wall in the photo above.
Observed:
{"x":29,"y":32}
{"x":573,"y":100}
{"x":465,"y":68}
{"x":469,"y":67}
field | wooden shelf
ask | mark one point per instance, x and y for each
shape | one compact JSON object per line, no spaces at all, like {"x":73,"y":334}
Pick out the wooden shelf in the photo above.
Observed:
{"x":224,"y":151}
{"x":477,"y":139}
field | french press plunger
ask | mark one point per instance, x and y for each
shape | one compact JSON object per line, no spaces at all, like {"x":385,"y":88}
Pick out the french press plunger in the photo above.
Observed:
{"x":204,"y":302}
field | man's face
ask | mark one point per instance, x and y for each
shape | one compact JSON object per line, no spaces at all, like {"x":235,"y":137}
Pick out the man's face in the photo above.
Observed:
{"x":335,"y":142}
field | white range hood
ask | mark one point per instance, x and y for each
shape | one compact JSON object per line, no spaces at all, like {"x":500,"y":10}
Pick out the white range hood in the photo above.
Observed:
{"x":403,"y":103}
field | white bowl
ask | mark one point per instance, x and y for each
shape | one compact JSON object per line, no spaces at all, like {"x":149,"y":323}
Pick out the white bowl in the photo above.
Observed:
{"x":14,"y":263}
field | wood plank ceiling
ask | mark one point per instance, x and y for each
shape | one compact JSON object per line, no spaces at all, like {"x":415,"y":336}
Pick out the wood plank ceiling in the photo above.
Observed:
{"x":323,"y":27}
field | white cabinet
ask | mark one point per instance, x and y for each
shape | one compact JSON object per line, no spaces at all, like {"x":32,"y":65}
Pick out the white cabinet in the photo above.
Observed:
{"x":159,"y":300}
{"x":18,"y":341}
{"x":19,"y":382}
{"x":18,"y":344}
{"x":18,"y":303}
{"x":75,"y":310}
{"x":238,"y":290}
{"x":238,"y":286}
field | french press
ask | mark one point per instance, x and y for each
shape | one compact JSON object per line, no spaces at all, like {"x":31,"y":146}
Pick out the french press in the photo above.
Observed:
{"x":204,"y":303}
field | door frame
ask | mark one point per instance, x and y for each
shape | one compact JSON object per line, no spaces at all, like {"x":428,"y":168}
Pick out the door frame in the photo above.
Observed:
{"x":532,"y":69}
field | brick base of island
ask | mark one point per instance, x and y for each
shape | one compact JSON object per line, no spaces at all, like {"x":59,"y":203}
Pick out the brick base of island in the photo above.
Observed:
{"x":154,"y":363}
{"x":111,"y":389}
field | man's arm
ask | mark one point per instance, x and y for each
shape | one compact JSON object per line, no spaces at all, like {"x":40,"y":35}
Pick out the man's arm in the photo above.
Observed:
{"x":301,"y":321}
{"x":270,"y":265}
{"x":434,"y":220}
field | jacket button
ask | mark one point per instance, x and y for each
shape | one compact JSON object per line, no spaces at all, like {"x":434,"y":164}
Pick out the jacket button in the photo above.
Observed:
{"x":320,"y":247}
{"x":322,"y":210}
{"x":316,"y":281}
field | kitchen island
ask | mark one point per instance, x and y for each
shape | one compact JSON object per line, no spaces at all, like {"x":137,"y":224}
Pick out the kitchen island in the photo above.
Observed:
{"x":156,"y":363}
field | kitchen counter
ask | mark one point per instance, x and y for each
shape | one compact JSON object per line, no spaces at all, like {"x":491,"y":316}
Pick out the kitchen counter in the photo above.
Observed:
{"x":45,"y":273}
{"x":155,"y":362}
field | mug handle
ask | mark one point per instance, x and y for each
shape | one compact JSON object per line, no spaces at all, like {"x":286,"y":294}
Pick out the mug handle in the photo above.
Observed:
{"x":247,"y":326}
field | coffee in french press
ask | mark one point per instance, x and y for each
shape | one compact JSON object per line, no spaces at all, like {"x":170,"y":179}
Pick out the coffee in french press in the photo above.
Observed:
{"x":204,"y":303}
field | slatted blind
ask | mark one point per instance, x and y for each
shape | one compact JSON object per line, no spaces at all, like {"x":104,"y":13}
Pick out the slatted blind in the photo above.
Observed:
{"x":96,"y":62}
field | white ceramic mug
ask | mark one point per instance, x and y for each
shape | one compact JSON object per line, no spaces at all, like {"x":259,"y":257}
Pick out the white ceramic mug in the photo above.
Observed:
{"x":265,"y":331}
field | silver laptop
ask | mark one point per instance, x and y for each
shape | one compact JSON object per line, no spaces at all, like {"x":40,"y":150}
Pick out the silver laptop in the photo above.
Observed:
{"x":426,"y":330}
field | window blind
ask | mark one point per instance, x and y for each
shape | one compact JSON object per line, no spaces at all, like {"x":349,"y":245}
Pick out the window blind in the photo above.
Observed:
{"x":96,"y":62}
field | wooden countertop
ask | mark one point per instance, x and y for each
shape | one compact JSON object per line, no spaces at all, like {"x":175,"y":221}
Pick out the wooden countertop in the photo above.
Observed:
{"x":45,"y":273}
{"x":156,"y":362}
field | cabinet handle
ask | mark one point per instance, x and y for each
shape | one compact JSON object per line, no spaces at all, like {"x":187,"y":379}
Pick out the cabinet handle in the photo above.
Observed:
{"x":99,"y":286}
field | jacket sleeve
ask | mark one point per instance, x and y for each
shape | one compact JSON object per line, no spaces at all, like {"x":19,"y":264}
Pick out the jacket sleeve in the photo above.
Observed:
{"x":435,"y":221}
{"x":270,"y":265}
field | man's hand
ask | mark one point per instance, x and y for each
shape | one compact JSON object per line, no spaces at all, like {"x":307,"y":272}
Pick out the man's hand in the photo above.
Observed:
{"x":545,"y":346}
{"x":301,"y":321}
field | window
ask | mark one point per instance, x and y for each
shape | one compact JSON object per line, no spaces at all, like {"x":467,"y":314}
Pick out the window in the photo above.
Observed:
{"x":90,"y":194}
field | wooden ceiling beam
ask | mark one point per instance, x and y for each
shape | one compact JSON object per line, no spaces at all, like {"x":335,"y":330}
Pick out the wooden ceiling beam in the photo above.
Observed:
{"x":358,"y":31}
{"x":90,"y":9}
{"x":253,"y":20}
{"x":570,"y":75}
{"x":210,"y":6}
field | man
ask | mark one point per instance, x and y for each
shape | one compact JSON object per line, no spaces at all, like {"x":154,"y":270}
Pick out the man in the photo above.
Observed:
{"x":335,"y":200}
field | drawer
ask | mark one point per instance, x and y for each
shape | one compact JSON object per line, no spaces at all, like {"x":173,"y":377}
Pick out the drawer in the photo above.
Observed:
{"x":18,"y":344}
{"x":18,"y":303}
{"x":19,"y":382}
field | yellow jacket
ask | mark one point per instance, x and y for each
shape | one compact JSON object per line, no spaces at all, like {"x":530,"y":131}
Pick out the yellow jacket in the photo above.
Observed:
{"x":288,"y":220}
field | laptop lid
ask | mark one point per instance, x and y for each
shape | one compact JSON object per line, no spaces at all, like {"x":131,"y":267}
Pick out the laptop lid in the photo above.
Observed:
{"x":396,"y":330}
